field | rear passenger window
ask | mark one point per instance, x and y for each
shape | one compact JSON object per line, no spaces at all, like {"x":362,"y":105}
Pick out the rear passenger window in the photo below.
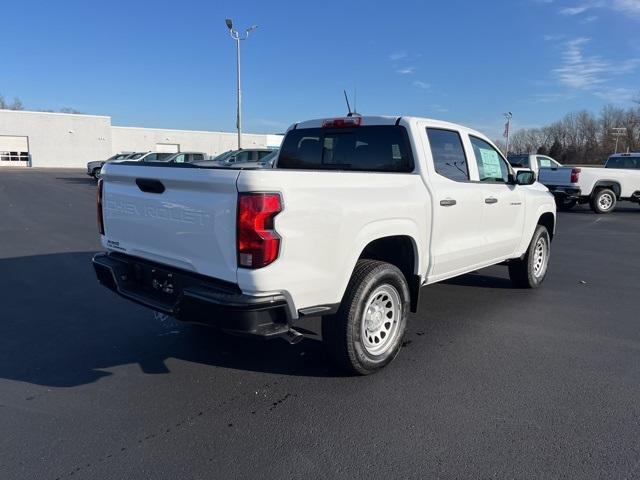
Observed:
{"x":448,"y":154}
{"x":376,"y":148}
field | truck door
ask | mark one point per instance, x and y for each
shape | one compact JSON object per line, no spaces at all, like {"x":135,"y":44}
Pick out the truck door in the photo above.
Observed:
{"x":503,"y":203}
{"x":457,"y":240}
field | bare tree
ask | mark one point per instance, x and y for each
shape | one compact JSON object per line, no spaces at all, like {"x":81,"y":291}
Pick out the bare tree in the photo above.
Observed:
{"x":15,"y":105}
{"x":582,"y":137}
{"x":69,"y":110}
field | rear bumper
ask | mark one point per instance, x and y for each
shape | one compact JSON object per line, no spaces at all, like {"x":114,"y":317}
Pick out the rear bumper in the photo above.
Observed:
{"x":191,"y":297}
{"x":565,"y":192}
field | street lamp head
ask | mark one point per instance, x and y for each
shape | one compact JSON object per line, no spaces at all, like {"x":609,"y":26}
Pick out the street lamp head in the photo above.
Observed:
{"x":229,"y":23}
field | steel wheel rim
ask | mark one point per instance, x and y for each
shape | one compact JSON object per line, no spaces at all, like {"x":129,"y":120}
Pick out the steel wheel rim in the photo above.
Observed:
{"x":381,"y":320}
{"x":540,"y":257}
{"x":605,"y":201}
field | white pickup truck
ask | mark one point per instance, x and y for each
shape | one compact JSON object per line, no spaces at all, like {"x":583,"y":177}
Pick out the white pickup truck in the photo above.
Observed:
{"x":356,"y":216}
{"x":602,"y":188}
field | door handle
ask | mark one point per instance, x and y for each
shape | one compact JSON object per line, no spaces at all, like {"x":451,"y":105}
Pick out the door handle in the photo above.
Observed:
{"x":150,"y":185}
{"x":448,"y":202}
{"x":491,"y":200}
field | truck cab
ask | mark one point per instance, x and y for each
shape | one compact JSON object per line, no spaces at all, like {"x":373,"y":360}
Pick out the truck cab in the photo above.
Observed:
{"x":356,"y":216}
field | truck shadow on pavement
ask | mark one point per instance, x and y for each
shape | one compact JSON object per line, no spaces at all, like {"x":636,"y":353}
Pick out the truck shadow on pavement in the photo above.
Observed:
{"x":60,"y":328}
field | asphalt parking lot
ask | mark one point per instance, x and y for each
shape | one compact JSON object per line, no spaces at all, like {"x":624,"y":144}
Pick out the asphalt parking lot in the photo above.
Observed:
{"x":492,"y":382}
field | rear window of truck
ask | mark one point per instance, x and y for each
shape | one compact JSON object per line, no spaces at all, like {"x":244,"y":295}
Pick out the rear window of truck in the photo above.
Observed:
{"x":376,"y":148}
{"x":623,"y":162}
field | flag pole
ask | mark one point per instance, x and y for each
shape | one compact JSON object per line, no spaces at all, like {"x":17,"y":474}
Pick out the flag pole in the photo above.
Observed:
{"x":507,"y":129}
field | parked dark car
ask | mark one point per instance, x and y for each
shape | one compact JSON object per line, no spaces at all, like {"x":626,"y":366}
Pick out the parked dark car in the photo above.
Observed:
{"x":93,"y":168}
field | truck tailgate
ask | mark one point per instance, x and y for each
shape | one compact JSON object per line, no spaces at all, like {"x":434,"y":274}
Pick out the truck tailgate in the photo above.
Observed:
{"x":555,"y":176}
{"x":182,"y":217}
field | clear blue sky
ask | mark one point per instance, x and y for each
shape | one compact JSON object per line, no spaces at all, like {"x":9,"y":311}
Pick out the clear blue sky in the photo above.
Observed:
{"x":172,"y":64}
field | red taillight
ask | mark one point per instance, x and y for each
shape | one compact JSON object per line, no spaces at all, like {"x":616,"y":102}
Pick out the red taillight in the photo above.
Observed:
{"x":258,"y":242}
{"x":99,"y":204}
{"x":346,"y":122}
{"x":575,"y":175}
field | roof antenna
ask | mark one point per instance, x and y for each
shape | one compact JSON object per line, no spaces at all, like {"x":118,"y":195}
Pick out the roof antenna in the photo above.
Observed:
{"x":355,"y":99}
{"x":346,"y":99}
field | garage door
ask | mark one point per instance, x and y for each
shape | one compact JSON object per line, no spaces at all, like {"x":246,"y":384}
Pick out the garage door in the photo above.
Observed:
{"x":167,"y":147}
{"x":14,"y":151}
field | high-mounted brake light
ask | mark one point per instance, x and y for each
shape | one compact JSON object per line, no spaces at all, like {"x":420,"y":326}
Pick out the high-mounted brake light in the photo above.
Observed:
{"x":575,"y":175}
{"x":257,"y":241}
{"x":99,"y":207}
{"x":346,"y":122}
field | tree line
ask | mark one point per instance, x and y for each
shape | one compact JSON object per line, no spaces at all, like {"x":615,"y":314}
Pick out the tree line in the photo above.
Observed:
{"x":583,"y":137}
{"x":16,"y":104}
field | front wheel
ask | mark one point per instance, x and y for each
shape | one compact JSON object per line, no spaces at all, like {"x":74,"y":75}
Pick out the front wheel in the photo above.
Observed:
{"x":529,"y":271}
{"x":366,"y":333}
{"x":604,"y":201}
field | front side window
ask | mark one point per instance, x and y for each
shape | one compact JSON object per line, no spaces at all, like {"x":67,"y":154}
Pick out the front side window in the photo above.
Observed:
{"x":376,"y":148}
{"x":448,"y":154}
{"x":491,"y":165}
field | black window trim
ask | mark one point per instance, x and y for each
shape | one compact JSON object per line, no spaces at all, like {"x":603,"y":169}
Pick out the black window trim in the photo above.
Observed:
{"x":464,"y":152}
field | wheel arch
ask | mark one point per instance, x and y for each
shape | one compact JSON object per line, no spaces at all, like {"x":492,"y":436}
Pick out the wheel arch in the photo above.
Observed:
{"x":401,"y":249}
{"x":611,"y":184}
{"x":545,"y":215}
{"x":548,"y":220}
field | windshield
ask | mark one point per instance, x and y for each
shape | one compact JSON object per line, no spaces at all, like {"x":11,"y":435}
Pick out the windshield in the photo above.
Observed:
{"x":623,"y":162}
{"x":223,"y":156}
{"x":269,"y":158}
{"x":160,"y":157}
{"x":519,"y":161}
{"x":136,"y":156}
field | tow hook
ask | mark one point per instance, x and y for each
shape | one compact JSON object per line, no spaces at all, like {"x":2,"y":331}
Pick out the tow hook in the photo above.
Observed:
{"x":293,"y":336}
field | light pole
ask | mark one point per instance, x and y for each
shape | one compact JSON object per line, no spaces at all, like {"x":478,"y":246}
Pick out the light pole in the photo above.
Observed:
{"x":507,"y":128}
{"x":237,"y":37}
{"x":618,"y":132}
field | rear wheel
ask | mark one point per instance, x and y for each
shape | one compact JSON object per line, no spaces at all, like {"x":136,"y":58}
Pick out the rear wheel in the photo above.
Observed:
{"x":366,"y":333}
{"x":529,"y":271}
{"x":603,"y":201}
{"x":565,"y":204}
{"x":96,"y":173}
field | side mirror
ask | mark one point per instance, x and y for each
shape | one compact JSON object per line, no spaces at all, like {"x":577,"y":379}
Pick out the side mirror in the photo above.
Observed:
{"x":525,"y":177}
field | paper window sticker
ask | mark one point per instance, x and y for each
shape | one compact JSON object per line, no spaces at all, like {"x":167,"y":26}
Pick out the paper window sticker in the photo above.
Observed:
{"x":490,"y":163}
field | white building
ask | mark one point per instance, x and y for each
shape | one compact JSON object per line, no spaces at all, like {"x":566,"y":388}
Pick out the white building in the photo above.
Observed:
{"x":41,"y":139}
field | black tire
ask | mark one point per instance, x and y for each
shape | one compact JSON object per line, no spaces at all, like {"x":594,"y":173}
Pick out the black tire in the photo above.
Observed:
{"x":96,"y":172}
{"x":342,"y":332}
{"x":523,"y":272}
{"x":603,"y":201}
{"x":566,"y":204}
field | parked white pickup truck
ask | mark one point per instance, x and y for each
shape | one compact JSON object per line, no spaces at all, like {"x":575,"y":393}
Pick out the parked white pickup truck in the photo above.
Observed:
{"x":602,"y":188}
{"x":356,"y":216}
